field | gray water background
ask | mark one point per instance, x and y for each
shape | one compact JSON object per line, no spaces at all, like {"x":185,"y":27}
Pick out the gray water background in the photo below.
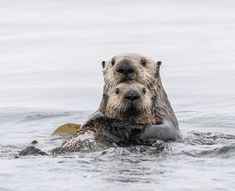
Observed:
{"x":50,"y":74}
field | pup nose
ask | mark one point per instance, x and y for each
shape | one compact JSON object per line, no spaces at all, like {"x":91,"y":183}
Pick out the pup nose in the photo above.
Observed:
{"x":131,"y":95}
{"x":125,"y":67}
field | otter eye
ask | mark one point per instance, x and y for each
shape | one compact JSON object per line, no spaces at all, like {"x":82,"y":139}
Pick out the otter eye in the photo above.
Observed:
{"x":143,"y":62}
{"x":117,"y":91}
{"x":113,"y":61}
{"x":144,"y":90}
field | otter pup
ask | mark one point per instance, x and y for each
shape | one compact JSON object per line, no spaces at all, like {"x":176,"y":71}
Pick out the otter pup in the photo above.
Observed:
{"x":139,"y":68}
{"x":128,"y":119}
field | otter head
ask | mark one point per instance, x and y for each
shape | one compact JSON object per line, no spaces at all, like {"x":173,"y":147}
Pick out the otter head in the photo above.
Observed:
{"x":130,"y":67}
{"x":130,"y":101}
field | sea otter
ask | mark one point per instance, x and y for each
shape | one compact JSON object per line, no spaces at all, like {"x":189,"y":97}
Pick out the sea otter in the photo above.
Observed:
{"x":128,"y":119}
{"x":138,"y":68}
{"x":131,"y":104}
{"x":128,"y":111}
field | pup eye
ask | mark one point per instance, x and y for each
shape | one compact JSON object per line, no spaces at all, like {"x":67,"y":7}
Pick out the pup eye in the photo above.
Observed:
{"x":117,"y":91}
{"x":143,"y":62}
{"x":113,"y":61}
{"x":144,"y":90}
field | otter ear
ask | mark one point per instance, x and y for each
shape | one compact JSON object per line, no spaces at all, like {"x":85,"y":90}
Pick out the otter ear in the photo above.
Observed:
{"x":159,"y":63}
{"x":103,"y":64}
{"x":105,"y":96}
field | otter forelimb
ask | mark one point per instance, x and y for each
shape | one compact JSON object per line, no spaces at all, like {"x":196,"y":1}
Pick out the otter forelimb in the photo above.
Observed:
{"x":113,"y":130}
{"x":165,"y":132}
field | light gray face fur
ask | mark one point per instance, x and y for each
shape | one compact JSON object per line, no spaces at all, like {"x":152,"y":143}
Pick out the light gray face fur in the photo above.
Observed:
{"x":119,"y":108}
{"x":144,"y":70}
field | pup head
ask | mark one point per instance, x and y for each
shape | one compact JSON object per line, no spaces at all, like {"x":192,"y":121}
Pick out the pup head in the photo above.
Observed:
{"x":130,"y":101}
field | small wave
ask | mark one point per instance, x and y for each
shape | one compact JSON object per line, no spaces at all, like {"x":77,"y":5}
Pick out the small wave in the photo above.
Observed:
{"x":225,"y":151}
{"x":45,"y":115}
{"x":8,"y":151}
{"x":209,"y":144}
{"x":218,"y":151}
{"x":208,"y":138}
{"x":25,"y":115}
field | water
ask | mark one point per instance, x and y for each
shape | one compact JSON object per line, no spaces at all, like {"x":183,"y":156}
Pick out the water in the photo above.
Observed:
{"x":50,"y":59}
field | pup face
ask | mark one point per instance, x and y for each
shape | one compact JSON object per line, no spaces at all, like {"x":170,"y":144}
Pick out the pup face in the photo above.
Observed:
{"x":130,"y":67}
{"x":129,"y":101}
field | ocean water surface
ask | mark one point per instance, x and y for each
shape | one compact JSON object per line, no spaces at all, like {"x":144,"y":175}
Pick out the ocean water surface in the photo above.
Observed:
{"x":50,"y":74}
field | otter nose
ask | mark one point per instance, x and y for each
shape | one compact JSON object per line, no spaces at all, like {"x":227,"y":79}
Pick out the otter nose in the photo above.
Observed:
{"x":131,"y":95}
{"x":125,"y":67}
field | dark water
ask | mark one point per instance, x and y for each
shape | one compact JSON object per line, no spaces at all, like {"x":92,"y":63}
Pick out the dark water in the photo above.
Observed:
{"x":50,"y":55}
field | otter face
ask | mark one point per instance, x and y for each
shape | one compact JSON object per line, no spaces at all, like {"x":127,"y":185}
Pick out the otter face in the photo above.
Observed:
{"x":129,"y":101}
{"x":130,"y":67}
